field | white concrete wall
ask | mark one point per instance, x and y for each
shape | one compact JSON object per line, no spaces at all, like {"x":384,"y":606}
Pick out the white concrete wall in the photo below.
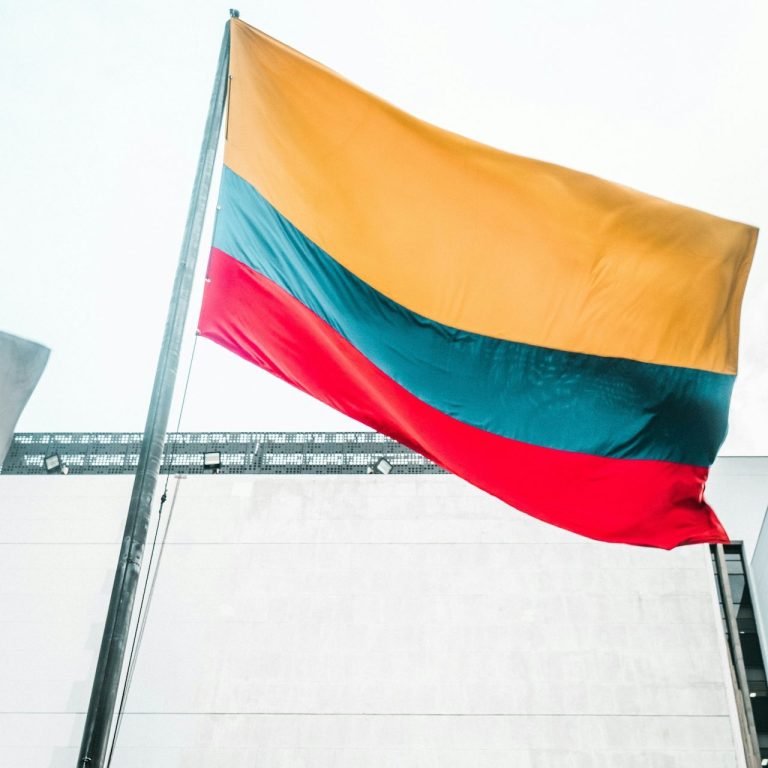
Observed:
{"x":359,"y":622}
{"x":738,"y":491}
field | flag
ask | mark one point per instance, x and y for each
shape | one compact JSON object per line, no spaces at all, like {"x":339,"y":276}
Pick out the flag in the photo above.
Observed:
{"x":563,"y":342}
{"x":21,"y":365}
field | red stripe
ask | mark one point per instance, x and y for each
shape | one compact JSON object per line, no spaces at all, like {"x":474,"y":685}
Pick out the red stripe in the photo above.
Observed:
{"x":634,"y":501}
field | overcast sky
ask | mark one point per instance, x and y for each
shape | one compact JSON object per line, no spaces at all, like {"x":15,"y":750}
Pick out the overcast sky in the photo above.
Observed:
{"x":103,"y":106}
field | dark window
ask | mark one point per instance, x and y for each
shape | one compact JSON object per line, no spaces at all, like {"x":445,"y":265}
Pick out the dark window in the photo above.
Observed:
{"x":748,"y":639}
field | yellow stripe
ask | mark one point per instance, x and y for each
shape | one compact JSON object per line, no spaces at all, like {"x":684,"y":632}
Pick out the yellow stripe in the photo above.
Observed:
{"x":480,"y":239}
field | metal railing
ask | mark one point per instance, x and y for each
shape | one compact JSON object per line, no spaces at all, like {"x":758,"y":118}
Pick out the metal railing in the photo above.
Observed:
{"x":276,"y":453}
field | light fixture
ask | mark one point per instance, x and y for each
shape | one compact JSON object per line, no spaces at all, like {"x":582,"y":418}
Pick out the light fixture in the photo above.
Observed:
{"x":380,"y":467}
{"x":764,"y":761}
{"x":212,"y":461}
{"x":752,"y":695}
{"x":54,"y":465}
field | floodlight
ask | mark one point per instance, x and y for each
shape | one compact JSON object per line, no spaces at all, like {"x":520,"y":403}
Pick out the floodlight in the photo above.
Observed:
{"x":212,"y":461}
{"x":382,"y":467}
{"x":54,"y":465}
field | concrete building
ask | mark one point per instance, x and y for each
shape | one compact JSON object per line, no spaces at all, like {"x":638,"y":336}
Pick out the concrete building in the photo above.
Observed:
{"x":307,"y":613}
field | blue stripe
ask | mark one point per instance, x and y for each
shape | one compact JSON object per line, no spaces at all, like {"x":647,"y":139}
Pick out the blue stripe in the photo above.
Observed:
{"x":564,"y":400}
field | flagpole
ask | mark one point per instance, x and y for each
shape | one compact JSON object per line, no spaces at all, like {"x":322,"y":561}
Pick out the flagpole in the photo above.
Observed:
{"x":98,"y":722}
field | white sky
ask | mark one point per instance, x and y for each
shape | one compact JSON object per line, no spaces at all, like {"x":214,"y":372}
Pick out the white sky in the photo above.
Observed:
{"x":103,"y":107}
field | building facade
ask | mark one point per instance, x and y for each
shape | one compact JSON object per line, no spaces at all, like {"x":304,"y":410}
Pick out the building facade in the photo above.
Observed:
{"x":310,"y":612}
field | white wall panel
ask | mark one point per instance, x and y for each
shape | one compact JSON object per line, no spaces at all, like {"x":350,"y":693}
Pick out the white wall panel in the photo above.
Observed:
{"x":737,"y":489}
{"x":359,"y":621}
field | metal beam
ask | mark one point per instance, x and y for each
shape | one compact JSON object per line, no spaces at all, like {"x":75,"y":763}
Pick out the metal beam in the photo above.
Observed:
{"x":744,"y":704}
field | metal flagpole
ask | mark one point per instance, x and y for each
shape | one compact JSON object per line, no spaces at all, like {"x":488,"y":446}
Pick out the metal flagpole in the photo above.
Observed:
{"x":98,"y":722}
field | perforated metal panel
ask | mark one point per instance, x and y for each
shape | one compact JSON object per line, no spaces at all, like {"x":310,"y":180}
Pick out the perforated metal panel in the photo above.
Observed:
{"x":277,"y":453}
